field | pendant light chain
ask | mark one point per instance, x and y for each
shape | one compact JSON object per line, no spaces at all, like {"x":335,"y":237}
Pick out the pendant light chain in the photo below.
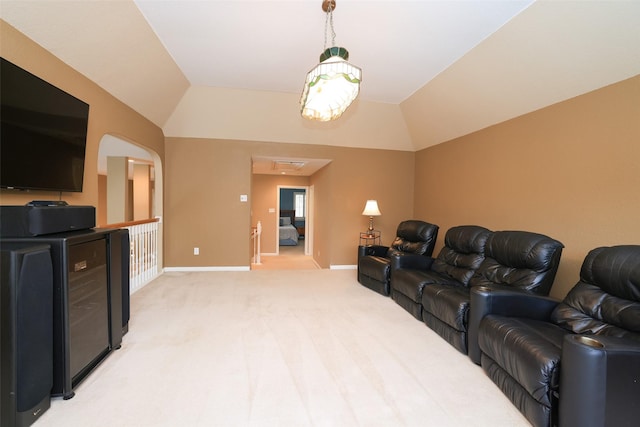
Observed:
{"x":329,"y":23}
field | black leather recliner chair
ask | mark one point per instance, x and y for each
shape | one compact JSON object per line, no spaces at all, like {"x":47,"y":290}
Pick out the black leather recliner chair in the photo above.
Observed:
{"x":569,"y":363}
{"x":462,"y":254}
{"x":414,"y":240}
{"x":518,"y":260}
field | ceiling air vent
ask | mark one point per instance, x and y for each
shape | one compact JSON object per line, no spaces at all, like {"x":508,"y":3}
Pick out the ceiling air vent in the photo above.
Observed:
{"x":287,"y":165}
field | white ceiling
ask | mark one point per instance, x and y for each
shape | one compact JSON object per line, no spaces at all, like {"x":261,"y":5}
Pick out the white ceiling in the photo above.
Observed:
{"x":271,"y":45}
{"x":266,"y":45}
{"x":457,"y":66}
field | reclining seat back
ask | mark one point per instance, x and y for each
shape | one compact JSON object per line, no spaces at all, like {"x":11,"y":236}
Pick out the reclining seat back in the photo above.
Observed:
{"x":413,"y":237}
{"x":445,"y":300}
{"x":462,"y":254}
{"x":606,"y":300}
{"x":519,"y":259}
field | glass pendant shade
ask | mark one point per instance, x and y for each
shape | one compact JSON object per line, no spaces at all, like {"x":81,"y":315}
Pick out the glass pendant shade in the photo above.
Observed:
{"x":331,"y":86}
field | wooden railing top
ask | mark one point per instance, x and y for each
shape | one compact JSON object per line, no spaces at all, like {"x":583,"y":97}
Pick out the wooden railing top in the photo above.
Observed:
{"x":130,"y":223}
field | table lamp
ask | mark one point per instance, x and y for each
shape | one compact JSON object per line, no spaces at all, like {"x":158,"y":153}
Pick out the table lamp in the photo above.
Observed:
{"x":371,"y":210}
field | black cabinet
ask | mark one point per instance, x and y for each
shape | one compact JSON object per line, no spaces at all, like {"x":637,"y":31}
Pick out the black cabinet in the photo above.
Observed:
{"x":88,"y":300}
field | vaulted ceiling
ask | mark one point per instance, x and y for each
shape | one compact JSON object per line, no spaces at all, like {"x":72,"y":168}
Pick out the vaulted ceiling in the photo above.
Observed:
{"x":453,"y":67}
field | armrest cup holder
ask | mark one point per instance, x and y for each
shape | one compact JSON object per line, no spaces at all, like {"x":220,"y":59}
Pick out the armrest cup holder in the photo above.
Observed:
{"x":588,"y":341}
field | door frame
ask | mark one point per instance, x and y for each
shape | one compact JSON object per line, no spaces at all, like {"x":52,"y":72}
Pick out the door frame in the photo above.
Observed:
{"x":308,"y":224}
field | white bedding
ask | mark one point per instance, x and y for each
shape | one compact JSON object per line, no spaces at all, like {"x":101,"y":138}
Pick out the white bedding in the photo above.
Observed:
{"x":288,"y":235}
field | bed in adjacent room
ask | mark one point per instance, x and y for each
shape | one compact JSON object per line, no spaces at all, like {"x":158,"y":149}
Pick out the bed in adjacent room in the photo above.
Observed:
{"x":288,"y":232}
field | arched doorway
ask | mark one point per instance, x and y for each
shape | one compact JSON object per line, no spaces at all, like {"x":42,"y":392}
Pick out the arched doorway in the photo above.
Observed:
{"x":125,"y":157}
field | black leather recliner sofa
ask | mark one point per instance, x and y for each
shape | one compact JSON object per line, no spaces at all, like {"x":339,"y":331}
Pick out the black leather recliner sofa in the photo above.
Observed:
{"x":518,"y":260}
{"x":457,"y":261}
{"x":414,"y":240}
{"x":569,"y":363}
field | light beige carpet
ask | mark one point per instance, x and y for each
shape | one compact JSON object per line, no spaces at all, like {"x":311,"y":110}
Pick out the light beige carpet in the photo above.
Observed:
{"x":289,"y":258}
{"x":279,"y":348}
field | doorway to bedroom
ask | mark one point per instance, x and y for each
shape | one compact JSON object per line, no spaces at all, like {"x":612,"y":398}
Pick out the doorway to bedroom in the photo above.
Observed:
{"x":282,"y":191}
{"x":292,"y":225}
{"x":293,"y":221}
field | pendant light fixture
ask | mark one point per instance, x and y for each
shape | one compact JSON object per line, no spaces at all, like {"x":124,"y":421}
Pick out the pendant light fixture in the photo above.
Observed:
{"x":334,"y":83}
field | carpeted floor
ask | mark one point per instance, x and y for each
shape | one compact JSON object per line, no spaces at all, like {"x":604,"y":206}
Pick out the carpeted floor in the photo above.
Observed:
{"x":289,"y":258}
{"x":279,"y":348}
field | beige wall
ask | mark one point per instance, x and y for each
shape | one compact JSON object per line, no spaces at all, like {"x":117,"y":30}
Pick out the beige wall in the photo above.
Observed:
{"x":107,"y":115}
{"x":202,"y":206}
{"x":101,"y":212}
{"x":322,"y":188}
{"x":571,"y":171}
{"x":223,"y":113}
{"x":205,"y":178}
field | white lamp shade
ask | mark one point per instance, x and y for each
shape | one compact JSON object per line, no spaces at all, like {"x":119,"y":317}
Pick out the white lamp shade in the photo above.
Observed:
{"x":371,"y":208}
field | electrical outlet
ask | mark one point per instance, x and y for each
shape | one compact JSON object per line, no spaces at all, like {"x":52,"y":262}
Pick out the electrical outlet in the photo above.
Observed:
{"x":196,"y":251}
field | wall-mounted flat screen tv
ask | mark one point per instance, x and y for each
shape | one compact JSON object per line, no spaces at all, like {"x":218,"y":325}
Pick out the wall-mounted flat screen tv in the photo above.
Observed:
{"x":43,"y":133}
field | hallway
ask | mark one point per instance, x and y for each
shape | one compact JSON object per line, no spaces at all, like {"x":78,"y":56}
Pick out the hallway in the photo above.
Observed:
{"x":290,"y":258}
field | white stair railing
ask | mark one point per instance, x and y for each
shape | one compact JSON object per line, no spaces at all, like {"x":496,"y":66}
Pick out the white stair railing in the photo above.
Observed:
{"x":256,"y":232}
{"x":143,"y":266}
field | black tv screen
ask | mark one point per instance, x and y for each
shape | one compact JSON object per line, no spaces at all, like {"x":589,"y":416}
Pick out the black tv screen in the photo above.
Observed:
{"x":43,"y":133}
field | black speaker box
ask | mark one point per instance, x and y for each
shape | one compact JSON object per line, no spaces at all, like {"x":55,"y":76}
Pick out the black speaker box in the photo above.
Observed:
{"x":124,"y":252}
{"x":28,"y":221}
{"x":26,"y":333}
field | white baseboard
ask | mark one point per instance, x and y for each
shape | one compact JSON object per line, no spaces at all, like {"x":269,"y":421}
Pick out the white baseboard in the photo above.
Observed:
{"x":242,"y":268}
{"x":343,"y":267}
{"x":221,"y":268}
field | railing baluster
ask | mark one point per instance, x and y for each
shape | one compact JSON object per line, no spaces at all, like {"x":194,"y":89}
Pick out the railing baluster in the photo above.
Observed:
{"x":255,"y":236}
{"x":143,"y":240}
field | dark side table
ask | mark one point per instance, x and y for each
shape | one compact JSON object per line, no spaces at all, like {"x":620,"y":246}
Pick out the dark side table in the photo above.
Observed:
{"x":369,"y":238}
